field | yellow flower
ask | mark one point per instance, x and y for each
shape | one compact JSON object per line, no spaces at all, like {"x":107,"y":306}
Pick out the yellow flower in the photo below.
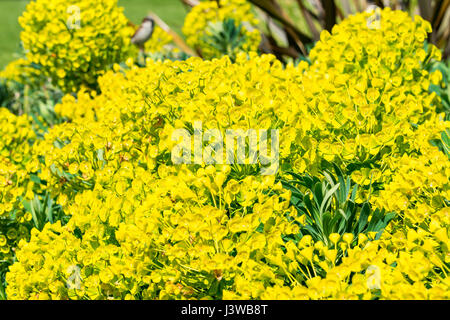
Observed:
{"x":74,"y":54}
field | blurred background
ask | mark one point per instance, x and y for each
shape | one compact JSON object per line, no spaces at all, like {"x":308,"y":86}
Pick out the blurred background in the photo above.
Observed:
{"x":289,"y":27}
{"x":171,"y":11}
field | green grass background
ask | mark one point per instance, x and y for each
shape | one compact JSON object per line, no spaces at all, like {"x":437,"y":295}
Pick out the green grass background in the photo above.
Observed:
{"x":171,"y":11}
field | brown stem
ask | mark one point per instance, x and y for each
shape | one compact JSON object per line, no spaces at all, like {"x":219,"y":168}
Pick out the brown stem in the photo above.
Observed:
{"x":330,"y":14}
{"x":309,"y":20}
{"x":176,"y":38}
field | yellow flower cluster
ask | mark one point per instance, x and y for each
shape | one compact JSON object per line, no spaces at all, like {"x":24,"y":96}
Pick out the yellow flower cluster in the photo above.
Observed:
{"x":75,"y":41}
{"x":159,"y":238}
{"x":199,"y":20}
{"x":375,"y":86}
{"x":21,"y":71}
{"x":143,"y":228}
{"x":158,"y":42}
{"x":419,"y":189}
{"x":16,"y":164}
{"x":397,"y":267}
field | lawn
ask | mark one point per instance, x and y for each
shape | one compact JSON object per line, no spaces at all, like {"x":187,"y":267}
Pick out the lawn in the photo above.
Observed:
{"x":171,"y":11}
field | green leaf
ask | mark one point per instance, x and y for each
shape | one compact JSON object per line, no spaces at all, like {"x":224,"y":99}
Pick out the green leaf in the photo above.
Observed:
{"x":290,"y":186}
{"x":313,"y":232}
{"x":363,"y":217}
{"x":317,"y":194}
{"x":321,"y":218}
{"x":326,"y":202}
{"x":2,"y":290}
{"x":327,"y":224}
{"x":49,"y":209}
{"x":446,"y":142}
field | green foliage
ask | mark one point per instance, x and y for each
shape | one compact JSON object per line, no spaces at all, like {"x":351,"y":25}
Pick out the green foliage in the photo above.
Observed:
{"x":442,"y":91}
{"x":226,"y":37}
{"x":44,"y":209}
{"x":37,"y":102}
{"x":329,"y":207}
{"x":445,"y":146}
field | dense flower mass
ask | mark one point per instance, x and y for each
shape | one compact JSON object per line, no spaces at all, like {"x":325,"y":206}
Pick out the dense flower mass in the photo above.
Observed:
{"x":16,"y":164}
{"x":75,"y":41}
{"x":144,"y":228}
{"x":200,"y":22}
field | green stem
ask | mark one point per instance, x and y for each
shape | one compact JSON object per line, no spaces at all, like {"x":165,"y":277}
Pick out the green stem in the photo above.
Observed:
{"x":26,"y":102}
